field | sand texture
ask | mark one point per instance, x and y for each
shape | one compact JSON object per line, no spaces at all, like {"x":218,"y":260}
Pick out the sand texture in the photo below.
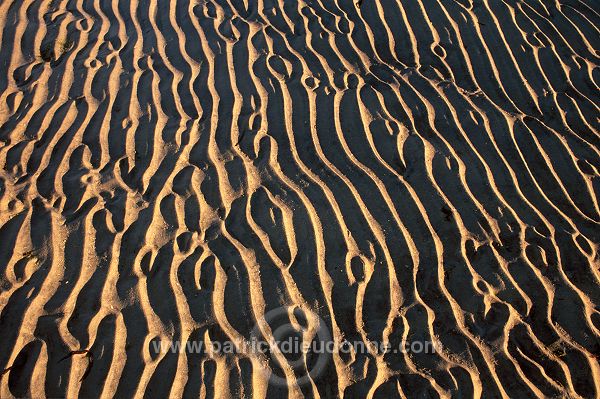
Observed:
{"x":378,"y":171}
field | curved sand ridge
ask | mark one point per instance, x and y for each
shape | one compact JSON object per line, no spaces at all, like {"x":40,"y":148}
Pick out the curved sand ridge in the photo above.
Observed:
{"x":401,"y":170}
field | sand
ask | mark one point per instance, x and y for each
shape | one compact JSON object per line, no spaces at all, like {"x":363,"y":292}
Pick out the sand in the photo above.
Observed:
{"x":380,"y":171}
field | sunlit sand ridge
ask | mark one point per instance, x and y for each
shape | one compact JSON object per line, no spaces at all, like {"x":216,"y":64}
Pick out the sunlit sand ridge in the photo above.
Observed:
{"x":382,"y":171}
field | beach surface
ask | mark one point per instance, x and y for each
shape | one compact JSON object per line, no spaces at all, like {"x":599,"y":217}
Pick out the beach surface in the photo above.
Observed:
{"x":419,"y":177}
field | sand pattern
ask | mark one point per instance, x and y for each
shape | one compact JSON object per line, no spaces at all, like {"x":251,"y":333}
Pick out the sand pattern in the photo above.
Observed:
{"x":401,"y":170}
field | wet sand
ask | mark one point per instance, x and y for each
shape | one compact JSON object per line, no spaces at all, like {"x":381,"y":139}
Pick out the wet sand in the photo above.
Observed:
{"x":388,"y":172}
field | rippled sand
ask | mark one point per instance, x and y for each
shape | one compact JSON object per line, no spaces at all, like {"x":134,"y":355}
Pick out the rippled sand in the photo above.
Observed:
{"x":388,"y":171}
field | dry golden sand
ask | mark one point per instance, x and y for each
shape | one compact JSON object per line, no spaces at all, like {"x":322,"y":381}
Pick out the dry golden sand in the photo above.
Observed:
{"x":387,"y":171}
